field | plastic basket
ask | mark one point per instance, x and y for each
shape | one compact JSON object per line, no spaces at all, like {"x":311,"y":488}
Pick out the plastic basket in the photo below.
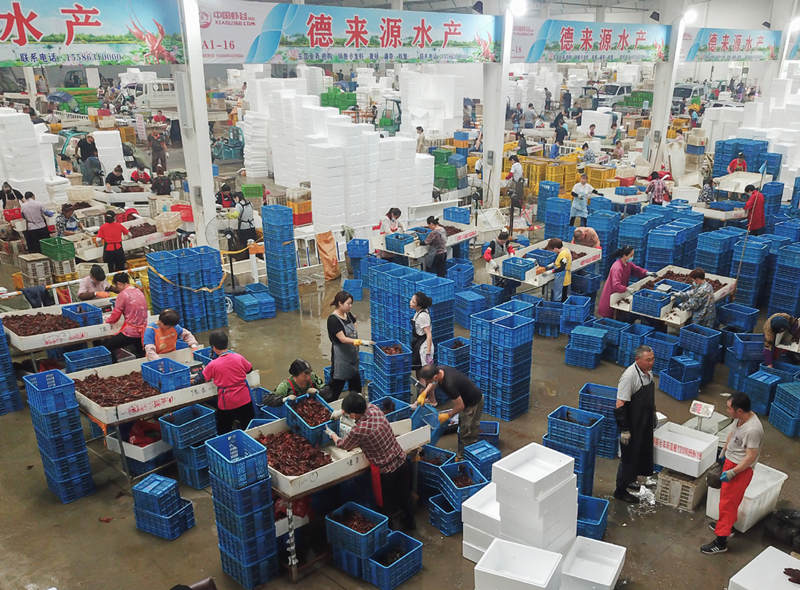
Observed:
{"x":83,"y":313}
{"x":391,"y":364}
{"x":66,"y":467}
{"x":582,"y":429}
{"x":482,"y":454}
{"x":276,"y":215}
{"x":403,"y":569}
{"x":685,"y":368}
{"x":664,"y":345}
{"x":450,"y":355}
{"x":314,"y":434}
{"x":649,"y":302}
{"x":57,"y":423}
{"x":167,"y":527}
{"x":348,"y":563}
{"x":700,"y":339}
{"x":438,"y":289}
{"x":357,"y":248}
{"x":512,"y":331}
{"x":57,"y":248}
{"x":429,"y":473}
{"x":592,"y":517}
{"x":63,"y":445}
{"x":50,"y":391}
{"x":443,"y":516}
{"x":578,"y":357}
{"x":88,"y":358}
{"x":244,"y":500}
{"x":397,"y":242}
{"x":454,"y":494}
{"x":166,"y":375}
{"x":359,"y":544}
{"x":254,"y":548}
{"x":457,"y":214}
{"x":428,"y":415}
{"x":188,"y":425}
{"x":237,"y":459}
{"x":589,"y":339}
{"x":194,"y":456}
{"x":787,"y":395}
{"x":69,"y":490}
{"x":252,"y":574}
{"x":677,"y":389}
{"x":517,"y":268}
{"x":156,"y":494}
{"x":584,"y":459}
{"x":783,"y":421}
{"x":490,"y":431}
{"x":748,"y":347}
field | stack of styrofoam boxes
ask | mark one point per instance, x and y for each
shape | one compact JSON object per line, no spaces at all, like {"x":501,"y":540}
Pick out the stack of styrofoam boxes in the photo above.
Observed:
{"x":785,"y":291}
{"x":432,"y":101}
{"x":242,"y":491}
{"x":282,"y":260}
{"x":466,"y":304}
{"x":442,"y":293}
{"x":784,"y":413}
{"x":714,"y":251}
{"x":423,"y":177}
{"x":327,"y":185}
{"x":57,"y":422}
{"x":602,"y":400}
{"x":256,"y":147}
{"x":10,"y":400}
{"x":748,"y":265}
{"x":163,"y":295}
{"x":186,"y":430}
{"x":348,"y":140}
{"x":109,"y":150}
{"x":21,"y":164}
{"x":159,"y":509}
{"x":606,"y":224}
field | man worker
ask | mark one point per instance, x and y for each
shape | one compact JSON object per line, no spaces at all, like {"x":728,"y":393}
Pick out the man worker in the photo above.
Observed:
{"x":755,"y":210}
{"x":738,"y":164}
{"x":34,"y":213}
{"x":373,"y":433}
{"x":548,"y":97}
{"x":158,"y":150}
{"x":86,"y":149}
{"x":225,"y":197}
{"x":467,"y":400}
{"x":162,"y":336}
{"x":131,"y":305}
{"x":741,"y":453}
{"x":159,"y":118}
{"x":529,"y":116}
{"x":114,"y":178}
{"x":421,"y":141}
{"x":635,"y":413}
{"x":94,"y":285}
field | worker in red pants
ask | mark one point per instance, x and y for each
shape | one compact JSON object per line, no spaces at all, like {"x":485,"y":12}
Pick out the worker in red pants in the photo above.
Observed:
{"x":741,"y":452}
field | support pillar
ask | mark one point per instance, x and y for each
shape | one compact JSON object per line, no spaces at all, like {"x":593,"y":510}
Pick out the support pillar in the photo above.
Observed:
{"x":30,"y":84}
{"x":396,"y":5}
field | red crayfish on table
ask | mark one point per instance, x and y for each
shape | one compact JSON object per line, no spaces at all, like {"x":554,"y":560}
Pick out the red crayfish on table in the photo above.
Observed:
{"x":291,"y":454}
{"x":112,"y":391}
{"x":38,"y":323}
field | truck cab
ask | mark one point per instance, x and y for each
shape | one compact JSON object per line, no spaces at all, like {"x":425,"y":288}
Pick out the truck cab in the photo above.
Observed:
{"x":611,"y":94}
{"x":154,"y":94}
{"x":688,"y":91}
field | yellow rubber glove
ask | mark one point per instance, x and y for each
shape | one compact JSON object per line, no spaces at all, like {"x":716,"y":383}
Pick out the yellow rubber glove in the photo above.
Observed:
{"x":356,"y":342}
{"x":233,"y":214}
{"x":444,"y":417}
{"x":422,"y":399}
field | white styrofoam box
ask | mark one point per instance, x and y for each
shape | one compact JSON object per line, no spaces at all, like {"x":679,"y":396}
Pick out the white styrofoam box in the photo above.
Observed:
{"x":684,"y":450}
{"x":531,"y":471}
{"x":760,"y":497}
{"x":592,"y":565}
{"x":511,"y":566}
{"x":765,"y":571}
{"x":471,"y":552}
{"x":541,"y":532}
{"x":482,"y":511}
{"x":477,"y":537}
{"x":561,"y":543}
{"x":533,"y":512}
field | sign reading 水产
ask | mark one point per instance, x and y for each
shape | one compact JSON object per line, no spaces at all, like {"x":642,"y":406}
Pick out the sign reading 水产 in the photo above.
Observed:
{"x":730,"y":45}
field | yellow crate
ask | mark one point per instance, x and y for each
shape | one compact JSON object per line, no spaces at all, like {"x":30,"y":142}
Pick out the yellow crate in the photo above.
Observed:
{"x":573,"y":157}
{"x":471,"y":163}
{"x":671,"y":133}
{"x":298,"y":208}
{"x":73,"y":276}
{"x":631,"y":132}
{"x":461,"y":143}
{"x":135,"y":262}
{"x":612,"y":182}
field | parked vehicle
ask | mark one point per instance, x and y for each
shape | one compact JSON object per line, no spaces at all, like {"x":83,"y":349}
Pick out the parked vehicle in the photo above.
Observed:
{"x":611,"y":94}
{"x":689,"y":92}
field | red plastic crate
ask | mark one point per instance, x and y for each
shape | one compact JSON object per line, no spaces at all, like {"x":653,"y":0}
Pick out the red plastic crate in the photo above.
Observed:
{"x":301,"y":218}
{"x":12,"y":214}
{"x":185,"y":211}
{"x":626,"y":180}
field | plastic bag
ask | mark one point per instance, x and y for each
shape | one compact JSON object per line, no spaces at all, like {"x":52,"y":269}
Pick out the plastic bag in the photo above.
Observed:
{"x":326,"y":247}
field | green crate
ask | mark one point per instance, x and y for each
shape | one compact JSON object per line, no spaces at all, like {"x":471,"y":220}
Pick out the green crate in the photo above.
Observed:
{"x":445,"y":171}
{"x":448,"y":183}
{"x":253,"y":191}
{"x":58,"y":248}
{"x":441,"y":156}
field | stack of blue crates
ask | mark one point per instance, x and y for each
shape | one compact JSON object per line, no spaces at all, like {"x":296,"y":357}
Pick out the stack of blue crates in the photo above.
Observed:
{"x":773,"y":161}
{"x":390,"y":372}
{"x":704,"y":345}
{"x":743,"y":357}
{"x":586,"y":346}
{"x":467,"y":303}
{"x":556,"y":219}
{"x":755,"y":153}
{"x":631,"y":339}
{"x":57,"y":423}
{"x":454,"y":353}
{"x":510,"y":351}
{"x":482,"y":455}
{"x":159,"y":509}
{"x":214,"y":301}
{"x":796,"y":194}
{"x":281,"y":256}
{"x":773,"y":194}
{"x":681,"y":380}
{"x":775,"y":243}
{"x":461,"y":272}
{"x":602,"y":399}
{"x":606,"y":224}
{"x":749,"y":265}
{"x":10,"y":400}
{"x":664,"y":346}
{"x":442,"y":292}
{"x":576,"y":311}
{"x":785,"y":291}
{"x":186,"y":430}
{"x":357,"y":250}
{"x":614,"y":330}
{"x":576,"y":433}
{"x":548,"y":318}
{"x":600,"y":204}
{"x":784,"y":413}
{"x":163,"y":295}
{"x":760,"y":388}
{"x":190,"y":277}
{"x":586,"y":281}
{"x":789,"y":229}
{"x":633,"y":232}
{"x":461,"y":136}
{"x":443,"y":516}
{"x":665,"y":246}
{"x":266,"y":302}
{"x":547,"y":190}
{"x":391,"y":288}
{"x":242,"y":492}
{"x":493,"y":294}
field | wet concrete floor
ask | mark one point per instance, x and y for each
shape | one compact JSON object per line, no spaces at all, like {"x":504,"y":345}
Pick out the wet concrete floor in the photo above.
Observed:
{"x":46,"y":544}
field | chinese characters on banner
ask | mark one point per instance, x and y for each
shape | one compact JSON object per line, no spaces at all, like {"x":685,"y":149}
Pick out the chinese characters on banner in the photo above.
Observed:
{"x":237,"y":31}
{"x":730,"y":45}
{"x":89,"y":32}
{"x":536,"y":40}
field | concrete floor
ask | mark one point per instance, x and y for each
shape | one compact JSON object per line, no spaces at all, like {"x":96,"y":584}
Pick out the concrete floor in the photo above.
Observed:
{"x":46,"y":544}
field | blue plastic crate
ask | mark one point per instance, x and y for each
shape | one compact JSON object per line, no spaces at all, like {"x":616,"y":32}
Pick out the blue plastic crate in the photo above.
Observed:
{"x":592,"y":517}
{"x":431,"y":458}
{"x":787,"y":395}
{"x":457,"y":214}
{"x":397,"y":242}
{"x":360,"y":544}
{"x":58,"y":423}
{"x":578,"y":357}
{"x":250,"y":575}
{"x":438,"y":289}
{"x":391,"y":364}
{"x":402,"y":409}
{"x":430,"y":416}
{"x":780,"y":418}
{"x":748,"y":347}
{"x":512,"y":331}
{"x":517,"y":268}
{"x":699,"y":339}
{"x":276,"y":215}
{"x":66,"y":467}
{"x":357,"y":248}
{"x":167,"y":527}
{"x":649,"y":302}
{"x":188,"y":425}
{"x":576,"y":308}
{"x":348,"y":562}
{"x":403,"y":569}
{"x":453,"y":352}
{"x":685,"y":368}
{"x":88,"y":358}
{"x":194,"y":478}
{"x":237,"y":459}
{"x":454,"y":494}
{"x":69,"y":490}
{"x":50,"y":391}
{"x":255,"y":548}
{"x":664,"y":345}
{"x":588,"y":339}
{"x":156,"y":494}
{"x":165,"y":262}
{"x":584,"y":459}
{"x":786,"y":371}
{"x":83,"y":313}
{"x":739,"y":316}
{"x":677,"y":389}
{"x":582,"y":429}
{"x":490,"y":431}
{"x":600,"y":399}
{"x":194,"y":456}
{"x":314,"y":434}
{"x":244,"y":500}
{"x":62,"y":445}
{"x":443,"y":516}
{"x":482,"y":454}
{"x":166,"y":375}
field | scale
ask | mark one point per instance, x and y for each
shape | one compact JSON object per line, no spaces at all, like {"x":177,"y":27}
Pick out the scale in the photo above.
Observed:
{"x":701,"y":410}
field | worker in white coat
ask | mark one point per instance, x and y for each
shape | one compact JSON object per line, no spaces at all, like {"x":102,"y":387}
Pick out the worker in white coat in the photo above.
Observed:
{"x":580,"y":201}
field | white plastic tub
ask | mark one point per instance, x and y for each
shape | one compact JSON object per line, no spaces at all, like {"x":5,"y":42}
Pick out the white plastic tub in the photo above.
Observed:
{"x":592,"y":565}
{"x":511,"y":566}
{"x":684,"y":450}
{"x":760,"y":497}
{"x":765,"y":572}
{"x":531,"y":472}
{"x":482,"y":511}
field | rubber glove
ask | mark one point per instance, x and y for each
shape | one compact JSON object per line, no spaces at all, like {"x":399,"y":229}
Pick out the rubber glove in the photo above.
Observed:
{"x":624,"y":437}
{"x":793,"y":574}
{"x":336,"y":414}
{"x":330,"y":432}
{"x":444,"y":417}
{"x":289,"y":398}
{"x":727,"y":475}
{"x":312,"y":390}
{"x":233,"y":214}
{"x":421,"y":398}
{"x":493,"y":265}
{"x":102,"y":294}
{"x":356,"y":342}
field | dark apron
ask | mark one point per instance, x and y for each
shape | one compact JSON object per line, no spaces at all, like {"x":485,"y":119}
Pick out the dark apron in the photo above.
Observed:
{"x":416,"y":343}
{"x":638,"y":453}
{"x":345,"y":356}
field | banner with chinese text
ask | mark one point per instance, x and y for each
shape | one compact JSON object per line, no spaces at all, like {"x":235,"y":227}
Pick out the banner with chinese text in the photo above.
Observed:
{"x":236,"y":31}
{"x":97,"y":32}
{"x":730,"y":45}
{"x":535,"y":40}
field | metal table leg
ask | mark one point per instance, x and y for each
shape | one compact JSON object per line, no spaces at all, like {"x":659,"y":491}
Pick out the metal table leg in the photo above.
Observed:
{"x":290,"y":543}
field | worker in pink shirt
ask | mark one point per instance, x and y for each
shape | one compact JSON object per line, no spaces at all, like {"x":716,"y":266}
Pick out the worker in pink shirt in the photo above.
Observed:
{"x":229,"y":373}
{"x":131,"y":305}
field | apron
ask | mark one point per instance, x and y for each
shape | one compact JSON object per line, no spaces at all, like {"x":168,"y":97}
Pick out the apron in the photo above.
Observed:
{"x":641,"y":417}
{"x":557,"y":286}
{"x":345,"y":356}
{"x":164,"y":342}
{"x":71,"y":225}
{"x":417,"y":342}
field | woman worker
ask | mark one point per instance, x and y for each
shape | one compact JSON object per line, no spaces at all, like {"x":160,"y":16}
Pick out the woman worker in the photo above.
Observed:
{"x":580,"y":201}
{"x":586,"y":236}
{"x":617,"y":281}
{"x":302,"y":380}
{"x":111,"y":233}
{"x":778,"y":323}
{"x":500,"y":246}
{"x":162,"y":336}
{"x":390,"y":224}
{"x":131,"y":304}
{"x":343,"y":335}
{"x":699,"y":300}
{"x":66,"y":222}
{"x":229,"y":373}
{"x":436,"y":258}
{"x":421,"y":335}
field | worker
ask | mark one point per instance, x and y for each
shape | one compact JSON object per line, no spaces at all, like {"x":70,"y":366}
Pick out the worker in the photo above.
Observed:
{"x":755,"y":210}
{"x":86,"y":150}
{"x":555,"y":149}
{"x":66,"y":222}
{"x":586,"y":236}
{"x":343,"y":334}
{"x":34,"y":213}
{"x":657,"y":189}
{"x":131,"y":304}
{"x":592,"y":129}
{"x":589,"y":157}
{"x":421,"y":334}
{"x":699,"y":300}
{"x":500,"y":246}
{"x":301,"y":380}
{"x":161,"y":185}
{"x":225,"y":197}
{"x":158,"y":150}
{"x":467,"y":400}
{"x":616,"y":134}
{"x":741,"y":451}
{"x":517,"y":178}
{"x":548,"y":98}
{"x":522,"y":145}
{"x":114,"y":178}
{"x":738,"y":164}
{"x":618,"y":277}
{"x":159,"y":118}
{"x":245,"y":226}
{"x":11,"y":197}
{"x":229,"y":373}
{"x":436,"y":240}
{"x":516,"y":117}
{"x":373,"y":434}
{"x":619,"y":151}
{"x":421,"y":141}
{"x":778,"y":323}
{"x":580,"y":200}
{"x":111,"y":233}
{"x":529,"y":116}
{"x":635,"y":414}
{"x":140,"y":175}
{"x":566,"y":101}
{"x":93,"y":285}
{"x":390,"y":223}
{"x":707,"y":192}
{"x":562,"y":269}
{"x":162,"y":336}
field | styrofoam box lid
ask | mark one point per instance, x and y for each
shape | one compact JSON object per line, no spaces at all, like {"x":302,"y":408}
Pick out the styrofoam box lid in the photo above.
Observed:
{"x":593,"y":564}
{"x":765,"y":571}
{"x":532,"y":470}
{"x":517,"y":567}
{"x":682,"y":436}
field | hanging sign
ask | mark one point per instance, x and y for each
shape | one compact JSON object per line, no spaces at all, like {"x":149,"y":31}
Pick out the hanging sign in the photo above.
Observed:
{"x":730,"y":45}
{"x":793,"y":52}
{"x":95,"y":32}
{"x":236,"y":32}
{"x":536,"y":40}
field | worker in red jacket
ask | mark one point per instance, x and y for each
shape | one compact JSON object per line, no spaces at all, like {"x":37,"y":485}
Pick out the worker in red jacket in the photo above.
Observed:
{"x":738,"y":164}
{"x":755,"y":210}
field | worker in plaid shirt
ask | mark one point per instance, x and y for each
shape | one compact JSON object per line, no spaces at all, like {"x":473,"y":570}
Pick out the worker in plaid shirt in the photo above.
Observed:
{"x":373,"y":433}
{"x":657,"y":189}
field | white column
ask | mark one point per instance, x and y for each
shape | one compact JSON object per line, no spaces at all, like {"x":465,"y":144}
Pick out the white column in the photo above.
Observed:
{"x":30,"y":84}
{"x":191,"y":86}
{"x":785,"y":13}
{"x":397,"y":5}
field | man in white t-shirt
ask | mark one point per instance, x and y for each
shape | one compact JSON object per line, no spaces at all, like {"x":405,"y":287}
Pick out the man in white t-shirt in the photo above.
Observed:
{"x":94,"y":285}
{"x":741,"y":452}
